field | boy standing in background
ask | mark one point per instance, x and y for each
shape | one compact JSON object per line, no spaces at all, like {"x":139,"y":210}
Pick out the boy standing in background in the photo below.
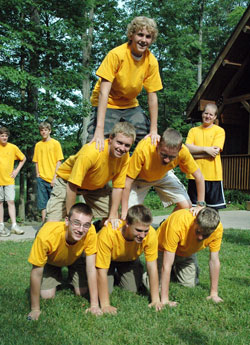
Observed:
{"x":8,"y":154}
{"x":47,"y":158}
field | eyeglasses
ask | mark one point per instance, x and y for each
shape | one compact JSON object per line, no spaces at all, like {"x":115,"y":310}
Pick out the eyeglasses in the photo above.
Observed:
{"x":78,"y":225}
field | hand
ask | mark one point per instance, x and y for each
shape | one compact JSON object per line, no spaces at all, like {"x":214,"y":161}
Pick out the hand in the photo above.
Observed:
{"x":158,"y":305}
{"x":213,"y":151}
{"x":114,"y":222}
{"x":195,"y":210}
{"x":171,"y":303}
{"x":52,"y":183}
{"x":215,"y":298}
{"x":108,"y":309}
{"x":99,"y":139}
{"x":14,"y":173}
{"x":34,"y":315}
{"x":95,"y":310}
{"x":155,"y":138}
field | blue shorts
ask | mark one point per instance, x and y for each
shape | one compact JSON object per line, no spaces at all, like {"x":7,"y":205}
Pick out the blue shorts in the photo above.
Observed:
{"x":214,"y":194}
{"x":44,"y":189}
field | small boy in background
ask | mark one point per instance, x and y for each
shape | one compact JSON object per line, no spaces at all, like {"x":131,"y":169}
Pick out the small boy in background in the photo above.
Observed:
{"x":47,"y":158}
{"x":8,"y":154}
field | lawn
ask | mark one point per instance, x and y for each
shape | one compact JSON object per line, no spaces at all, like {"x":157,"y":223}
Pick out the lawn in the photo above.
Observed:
{"x":194,"y":321}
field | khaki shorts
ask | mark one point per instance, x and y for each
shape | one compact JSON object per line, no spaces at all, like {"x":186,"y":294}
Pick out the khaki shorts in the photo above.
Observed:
{"x":127,"y":275}
{"x":99,"y":200}
{"x":169,"y":188}
{"x":185,"y":270}
{"x":7,"y":193}
{"x":52,"y":275}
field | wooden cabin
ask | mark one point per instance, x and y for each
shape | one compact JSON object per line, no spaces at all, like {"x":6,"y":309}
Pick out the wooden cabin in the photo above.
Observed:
{"x":228,"y":85}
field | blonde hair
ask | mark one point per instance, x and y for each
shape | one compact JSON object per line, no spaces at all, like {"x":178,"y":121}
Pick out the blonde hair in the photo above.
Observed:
{"x":208,"y":219}
{"x":44,"y":125}
{"x":139,"y":214}
{"x":124,"y":128}
{"x":171,"y":138}
{"x":138,"y":23}
{"x":213,"y":106}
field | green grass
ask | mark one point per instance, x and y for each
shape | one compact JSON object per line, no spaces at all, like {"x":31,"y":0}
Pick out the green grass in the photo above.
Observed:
{"x":195,"y":321}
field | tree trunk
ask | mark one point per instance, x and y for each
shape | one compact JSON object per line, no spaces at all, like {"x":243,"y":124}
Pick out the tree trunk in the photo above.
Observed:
{"x":202,"y":4}
{"x":87,"y":39}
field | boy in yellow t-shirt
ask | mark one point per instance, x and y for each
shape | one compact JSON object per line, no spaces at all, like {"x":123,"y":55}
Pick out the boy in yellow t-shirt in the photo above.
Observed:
{"x":205,"y":143}
{"x":123,"y":73}
{"x":118,"y":252}
{"x":180,"y":236}
{"x":47,"y":158}
{"x":60,"y":244}
{"x":151,"y":166}
{"x":9,"y":153}
{"x":88,"y":172}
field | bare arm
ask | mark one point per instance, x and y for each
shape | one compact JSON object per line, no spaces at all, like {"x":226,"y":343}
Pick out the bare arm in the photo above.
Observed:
{"x":113,"y":213}
{"x":102,"y":280}
{"x":18,"y":168}
{"x":200,"y":187}
{"x":92,"y":283}
{"x":70,"y":196}
{"x":105,"y":88}
{"x":214,"y":268}
{"x":37,"y":170}
{"x":168,"y":260}
{"x":154,"y":284}
{"x":35,"y":286}
{"x":54,"y":178}
{"x":153,"y":112}
{"x":125,"y":196}
{"x":203,"y":151}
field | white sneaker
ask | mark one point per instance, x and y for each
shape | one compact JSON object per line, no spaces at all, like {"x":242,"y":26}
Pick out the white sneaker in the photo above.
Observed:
{"x":3,"y":231}
{"x":16,"y":230}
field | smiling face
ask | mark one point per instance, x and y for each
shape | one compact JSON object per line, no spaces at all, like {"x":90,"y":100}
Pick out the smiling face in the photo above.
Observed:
{"x":136,"y":232}
{"x":140,"y":41}
{"x":45,"y":133}
{"x":119,"y":145}
{"x":208,"y":116}
{"x":77,"y":227}
{"x":4,"y":139}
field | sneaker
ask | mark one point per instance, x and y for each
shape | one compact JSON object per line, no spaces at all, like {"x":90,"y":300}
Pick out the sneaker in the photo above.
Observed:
{"x":3,"y":231}
{"x":16,"y":230}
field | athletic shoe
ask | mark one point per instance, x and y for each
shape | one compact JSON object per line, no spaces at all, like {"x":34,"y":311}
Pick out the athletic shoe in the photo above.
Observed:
{"x":3,"y":231}
{"x":16,"y":230}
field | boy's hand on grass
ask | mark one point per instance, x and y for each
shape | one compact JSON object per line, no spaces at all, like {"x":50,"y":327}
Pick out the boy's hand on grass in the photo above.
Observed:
{"x":109,"y":310}
{"x":171,"y":304}
{"x":157,"y":305}
{"x":95,"y":310}
{"x":34,"y":315}
{"x":215,"y":298}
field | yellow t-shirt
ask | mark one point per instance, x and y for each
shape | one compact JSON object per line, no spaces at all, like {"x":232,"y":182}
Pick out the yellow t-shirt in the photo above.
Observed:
{"x":51,"y":247}
{"x":211,"y":168}
{"x":111,"y":245}
{"x":146,"y":162}
{"x":90,"y":169}
{"x":128,"y":76}
{"x":177,"y":235}
{"x":46,"y":155}
{"x":9,"y":153}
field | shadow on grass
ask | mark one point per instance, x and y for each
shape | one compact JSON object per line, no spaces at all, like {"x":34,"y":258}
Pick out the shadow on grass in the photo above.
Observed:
{"x":192,"y":337}
{"x":240,"y":237}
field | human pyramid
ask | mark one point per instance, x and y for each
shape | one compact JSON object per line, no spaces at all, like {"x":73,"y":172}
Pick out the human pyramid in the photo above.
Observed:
{"x":114,"y":186}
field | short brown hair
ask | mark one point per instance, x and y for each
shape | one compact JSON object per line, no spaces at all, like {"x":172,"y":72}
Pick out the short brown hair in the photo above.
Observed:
{"x":43,"y":125}
{"x":208,"y":219}
{"x":124,"y":128}
{"x":138,"y":23}
{"x":80,"y":208}
{"x":139,"y":214}
{"x":4,"y":130}
{"x":171,"y":138}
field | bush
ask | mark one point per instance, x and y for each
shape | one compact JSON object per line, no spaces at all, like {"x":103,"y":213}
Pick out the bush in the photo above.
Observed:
{"x":236,"y":197}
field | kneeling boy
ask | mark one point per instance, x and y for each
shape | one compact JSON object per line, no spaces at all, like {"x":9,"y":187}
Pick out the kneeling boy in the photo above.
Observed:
{"x":118,"y":251}
{"x":180,"y":236}
{"x":61,"y":244}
